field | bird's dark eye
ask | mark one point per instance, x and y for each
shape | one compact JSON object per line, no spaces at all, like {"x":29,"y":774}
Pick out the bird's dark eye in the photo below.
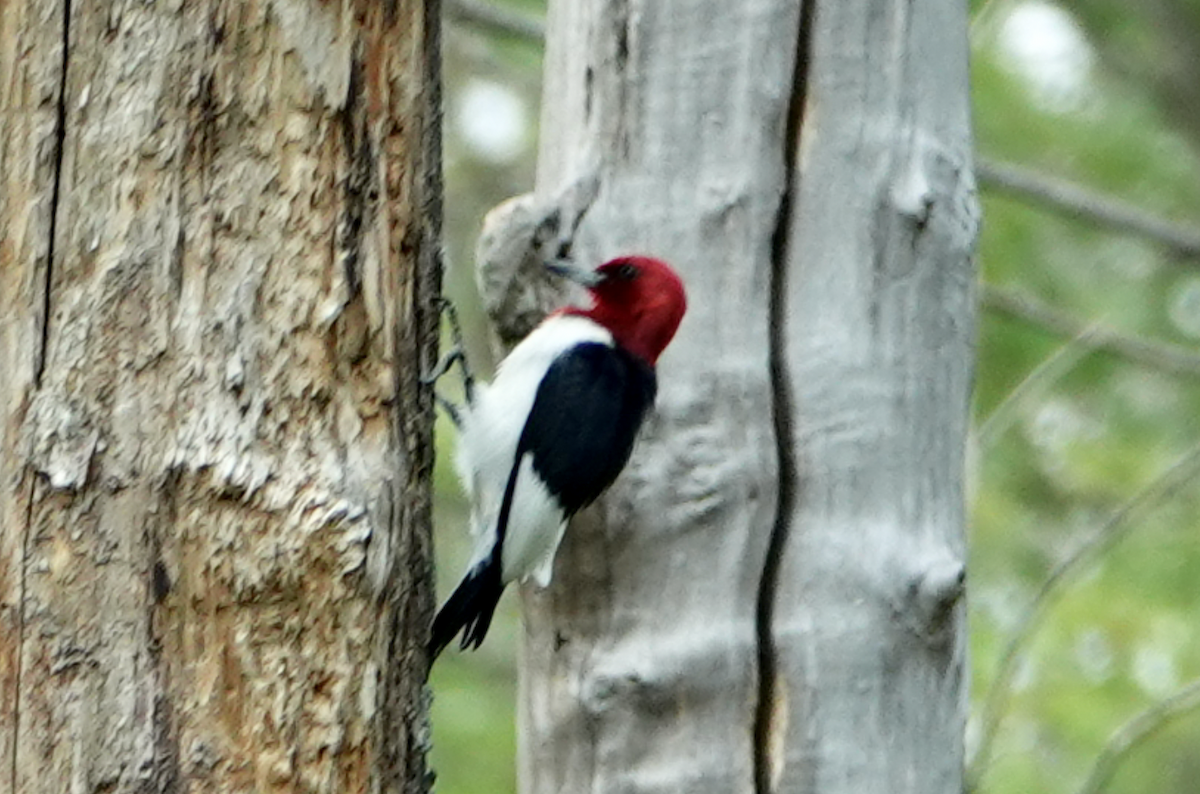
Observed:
{"x":626,"y":272}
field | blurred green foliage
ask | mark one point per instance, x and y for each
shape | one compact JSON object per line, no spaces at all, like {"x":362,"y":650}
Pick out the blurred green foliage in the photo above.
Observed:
{"x":1120,"y":635}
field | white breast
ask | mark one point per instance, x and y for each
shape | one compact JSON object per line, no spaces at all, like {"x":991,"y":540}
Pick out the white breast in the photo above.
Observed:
{"x":488,"y":443}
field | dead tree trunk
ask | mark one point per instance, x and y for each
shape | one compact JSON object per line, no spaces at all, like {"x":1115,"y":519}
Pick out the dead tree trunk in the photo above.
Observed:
{"x":770,"y":598}
{"x":218,"y":274}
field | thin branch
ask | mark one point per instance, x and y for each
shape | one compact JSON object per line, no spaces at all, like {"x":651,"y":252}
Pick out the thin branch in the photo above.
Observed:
{"x":495,"y":19}
{"x":1114,"y":529}
{"x":1137,"y":730}
{"x":1157,"y":355}
{"x":1083,"y":204}
{"x":1035,"y":383}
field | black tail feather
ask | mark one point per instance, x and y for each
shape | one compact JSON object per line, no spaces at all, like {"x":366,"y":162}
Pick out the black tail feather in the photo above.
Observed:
{"x":469,"y":609}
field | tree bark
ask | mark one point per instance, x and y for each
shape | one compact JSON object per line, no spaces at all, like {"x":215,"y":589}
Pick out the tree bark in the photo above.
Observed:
{"x":770,"y":597}
{"x":219,"y":229}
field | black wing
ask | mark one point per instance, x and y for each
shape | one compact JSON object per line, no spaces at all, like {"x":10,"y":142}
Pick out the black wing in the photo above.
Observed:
{"x":580,"y":431}
{"x":584,"y":420}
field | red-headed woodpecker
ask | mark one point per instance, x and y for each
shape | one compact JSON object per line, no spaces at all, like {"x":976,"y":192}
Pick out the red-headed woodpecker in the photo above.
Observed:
{"x":555,"y":428}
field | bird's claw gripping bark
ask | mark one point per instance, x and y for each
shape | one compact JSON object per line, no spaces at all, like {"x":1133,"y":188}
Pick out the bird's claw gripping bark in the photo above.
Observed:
{"x":456,"y":354}
{"x":443,"y":366}
{"x":450,"y":408}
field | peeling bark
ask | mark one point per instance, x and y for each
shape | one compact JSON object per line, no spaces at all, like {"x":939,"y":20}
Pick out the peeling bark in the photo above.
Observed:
{"x":770,"y":597}
{"x":219,"y":229}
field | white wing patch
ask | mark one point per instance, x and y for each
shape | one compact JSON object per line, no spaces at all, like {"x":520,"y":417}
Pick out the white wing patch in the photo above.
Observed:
{"x":535,"y":527}
{"x":488,"y":445}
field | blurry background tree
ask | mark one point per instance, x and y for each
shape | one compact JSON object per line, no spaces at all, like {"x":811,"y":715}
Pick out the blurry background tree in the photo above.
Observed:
{"x":1084,"y":546}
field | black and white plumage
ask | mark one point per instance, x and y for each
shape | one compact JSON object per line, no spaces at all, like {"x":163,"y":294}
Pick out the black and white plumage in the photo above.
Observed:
{"x":554,"y":429}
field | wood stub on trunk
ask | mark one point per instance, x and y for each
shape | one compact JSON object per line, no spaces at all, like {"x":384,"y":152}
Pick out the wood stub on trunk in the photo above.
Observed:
{"x":219,"y":231}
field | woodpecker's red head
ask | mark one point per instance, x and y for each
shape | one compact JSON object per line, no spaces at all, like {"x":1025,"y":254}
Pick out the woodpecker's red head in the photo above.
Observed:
{"x":639,"y":299}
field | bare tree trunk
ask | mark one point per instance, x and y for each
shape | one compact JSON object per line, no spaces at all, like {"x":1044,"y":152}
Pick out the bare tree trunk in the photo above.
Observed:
{"x":770,"y":598}
{"x":218,"y":273}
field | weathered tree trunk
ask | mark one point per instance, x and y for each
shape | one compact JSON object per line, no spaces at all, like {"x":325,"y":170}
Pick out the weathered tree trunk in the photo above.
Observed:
{"x":770,"y":598}
{"x":218,"y":273}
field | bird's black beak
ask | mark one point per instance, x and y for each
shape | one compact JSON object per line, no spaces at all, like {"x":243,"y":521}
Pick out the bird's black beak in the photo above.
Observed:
{"x":586,"y":278}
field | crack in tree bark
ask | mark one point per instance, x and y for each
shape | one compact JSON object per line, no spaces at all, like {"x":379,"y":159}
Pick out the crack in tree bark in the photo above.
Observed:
{"x":60,"y":134}
{"x":783,"y":409}
{"x":359,"y":189}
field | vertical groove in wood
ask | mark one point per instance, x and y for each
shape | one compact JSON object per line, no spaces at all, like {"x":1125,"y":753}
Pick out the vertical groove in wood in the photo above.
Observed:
{"x":771,"y":710}
{"x":60,"y":134}
{"x":30,"y":104}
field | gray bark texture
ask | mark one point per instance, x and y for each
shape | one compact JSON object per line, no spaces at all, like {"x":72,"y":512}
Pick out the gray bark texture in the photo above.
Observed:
{"x":770,"y":598}
{"x":218,"y":286}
